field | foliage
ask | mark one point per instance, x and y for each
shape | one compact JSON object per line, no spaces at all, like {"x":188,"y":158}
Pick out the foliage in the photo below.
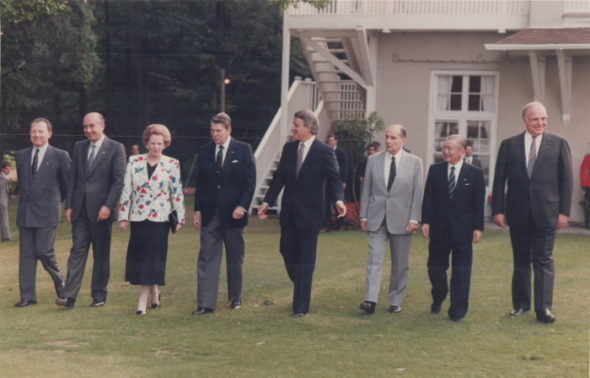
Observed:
{"x":351,"y":221}
{"x":284,"y":4}
{"x":16,"y":11}
{"x":354,"y":135}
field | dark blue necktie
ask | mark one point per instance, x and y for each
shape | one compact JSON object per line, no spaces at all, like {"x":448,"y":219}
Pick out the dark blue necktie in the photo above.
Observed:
{"x":452,"y":182}
{"x":392,"y":173}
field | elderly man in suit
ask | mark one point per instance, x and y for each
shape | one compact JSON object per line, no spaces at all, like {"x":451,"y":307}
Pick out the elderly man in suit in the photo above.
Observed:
{"x":95,"y":185}
{"x":452,"y":216}
{"x":536,"y":166}
{"x":4,"y":184}
{"x":226,"y":180}
{"x":307,"y":169}
{"x":391,"y":206}
{"x":42,"y":173}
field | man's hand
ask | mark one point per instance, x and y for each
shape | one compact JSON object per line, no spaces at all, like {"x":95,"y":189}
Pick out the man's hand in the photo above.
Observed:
{"x":239,"y":212}
{"x":123,"y":225}
{"x":477,"y":235}
{"x":262,"y":211}
{"x":562,"y":221}
{"x":364,"y":225}
{"x":341,"y":208}
{"x":197,"y":219}
{"x":500,"y":220}
{"x":68,"y":214}
{"x":412,"y":227}
{"x":103,"y":213}
{"x":426,"y":230}
{"x":178,"y":227}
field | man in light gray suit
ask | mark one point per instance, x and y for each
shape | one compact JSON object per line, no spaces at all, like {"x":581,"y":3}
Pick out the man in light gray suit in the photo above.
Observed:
{"x":42,"y":183}
{"x":4,"y":183}
{"x":391,"y":206}
{"x":95,"y":185}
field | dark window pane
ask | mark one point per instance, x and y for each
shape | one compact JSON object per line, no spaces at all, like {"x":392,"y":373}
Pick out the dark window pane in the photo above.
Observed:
{"x":456,"y":102}
{"x":475,"y":84}
{"x":457,"y":85}
{"x":474,"y":102}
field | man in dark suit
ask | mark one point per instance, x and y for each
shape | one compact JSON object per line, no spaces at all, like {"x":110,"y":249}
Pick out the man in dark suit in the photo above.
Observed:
{"x":537,"y":167}
{"x":42,"y":180}
{"x":469,"y":158}
{"x":95,"y":185}
{"x":224,"y":190}
{"x":452,"y":216}
{"x":306,"y":170}
{"x":343,"y":167}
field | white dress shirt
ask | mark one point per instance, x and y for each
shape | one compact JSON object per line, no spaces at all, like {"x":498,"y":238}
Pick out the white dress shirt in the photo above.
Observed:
{"x":457,"y":170}
{"x":42,"y":151}
{"x":224,"y":152}
{"x":528,"y":139}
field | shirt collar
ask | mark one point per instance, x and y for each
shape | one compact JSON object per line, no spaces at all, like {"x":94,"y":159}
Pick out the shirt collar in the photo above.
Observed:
{"x":42,"y":149}
{"x":308,"y":142}
{"x":99,"y":142}
{"x":397,"y":155}
{"x":457,"y":166}
{"x":226,"y":144}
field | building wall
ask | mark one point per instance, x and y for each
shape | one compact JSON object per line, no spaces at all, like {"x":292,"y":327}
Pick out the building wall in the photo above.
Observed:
{"x":404,"y":65}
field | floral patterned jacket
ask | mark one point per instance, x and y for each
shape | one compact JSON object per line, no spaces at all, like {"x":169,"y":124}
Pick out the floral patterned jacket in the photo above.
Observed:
{"x":152,"y":199}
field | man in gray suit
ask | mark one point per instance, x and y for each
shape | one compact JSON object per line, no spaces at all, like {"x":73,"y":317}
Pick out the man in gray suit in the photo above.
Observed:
{"x":95,"y":185}
{"x":42,"y":173}
{"x":391,"y":206}
{"x":4,"y":183}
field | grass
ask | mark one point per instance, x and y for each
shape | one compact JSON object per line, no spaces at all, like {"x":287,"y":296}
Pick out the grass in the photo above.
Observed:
{"x":334,"y":340}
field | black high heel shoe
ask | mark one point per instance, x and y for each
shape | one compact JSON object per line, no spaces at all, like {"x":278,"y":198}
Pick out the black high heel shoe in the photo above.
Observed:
{"x":157,"y":305}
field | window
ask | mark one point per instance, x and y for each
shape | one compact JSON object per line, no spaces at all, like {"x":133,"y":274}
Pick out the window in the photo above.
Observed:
{"x":464,"y":103}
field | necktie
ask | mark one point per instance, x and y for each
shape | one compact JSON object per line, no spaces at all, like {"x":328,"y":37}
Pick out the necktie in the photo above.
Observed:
{"x":452,"y":182}
{"x":299,"y":157}
{"x":219,"y":157}
{"x":92,"y":154}
{"x":532,"y":157}
{"x":392,"y":172}
{"x":35,"y":162}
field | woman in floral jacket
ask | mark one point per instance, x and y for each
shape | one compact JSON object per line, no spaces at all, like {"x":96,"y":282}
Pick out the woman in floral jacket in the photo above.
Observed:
{"x":151,"y":192}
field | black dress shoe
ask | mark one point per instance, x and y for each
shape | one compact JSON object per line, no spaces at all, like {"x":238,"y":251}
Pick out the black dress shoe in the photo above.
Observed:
{"x":395,"y":309}
{"x":435,"y":308}
{"x":545,"y":316}
{"x":235,"y":304}
{"x":203,"y":311}
{"x":156,"y":305}
{"x":298,"y":315}
{"x":457,"y":318}
{"x":66,"y":302}
{"x":97,"y":303}
{"x":25,"y":303}
{"x":517,"y":312}
{"x":368,"y":307}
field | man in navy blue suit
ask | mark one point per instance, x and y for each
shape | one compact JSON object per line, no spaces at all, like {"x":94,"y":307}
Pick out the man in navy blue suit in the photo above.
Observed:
{"x":452,"y":216}
{"x":306,"y":170}
{"x":537,"y":166}
{"x":225,"y":186}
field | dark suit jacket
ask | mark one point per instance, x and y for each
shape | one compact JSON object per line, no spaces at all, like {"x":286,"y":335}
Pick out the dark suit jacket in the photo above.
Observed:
{"x":40,"y":197}
{"x":342,"y":159}
{"x":99,"y":186}
{"x":548,"y":192}
{"x":304,"y":198}
{"x":461,"y":215}
{"x":233,"y":187}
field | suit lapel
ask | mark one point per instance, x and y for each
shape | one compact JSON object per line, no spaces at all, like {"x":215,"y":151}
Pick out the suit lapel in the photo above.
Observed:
{"x":310,"y":156}
{"x":229,"y":155}
{"x":27,"y":165}
{"x":380,"y":174}
{"x":544,"y":150}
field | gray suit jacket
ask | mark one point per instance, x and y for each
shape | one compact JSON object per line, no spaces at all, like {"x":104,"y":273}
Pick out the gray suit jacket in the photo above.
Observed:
{"x":101,"y":185}
{"x":3,"y":190}
{"x":402,"y":203}
{"x":40,"y":197}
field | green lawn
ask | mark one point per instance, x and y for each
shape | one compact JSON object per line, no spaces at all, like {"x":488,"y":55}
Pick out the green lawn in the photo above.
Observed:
{"x":334,"y":340}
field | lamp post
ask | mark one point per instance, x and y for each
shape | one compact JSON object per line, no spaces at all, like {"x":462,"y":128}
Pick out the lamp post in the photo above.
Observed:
{"x":223,"y":83}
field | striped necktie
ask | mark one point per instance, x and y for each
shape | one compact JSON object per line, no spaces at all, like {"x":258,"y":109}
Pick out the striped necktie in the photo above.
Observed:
{"x":452,"y":182}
